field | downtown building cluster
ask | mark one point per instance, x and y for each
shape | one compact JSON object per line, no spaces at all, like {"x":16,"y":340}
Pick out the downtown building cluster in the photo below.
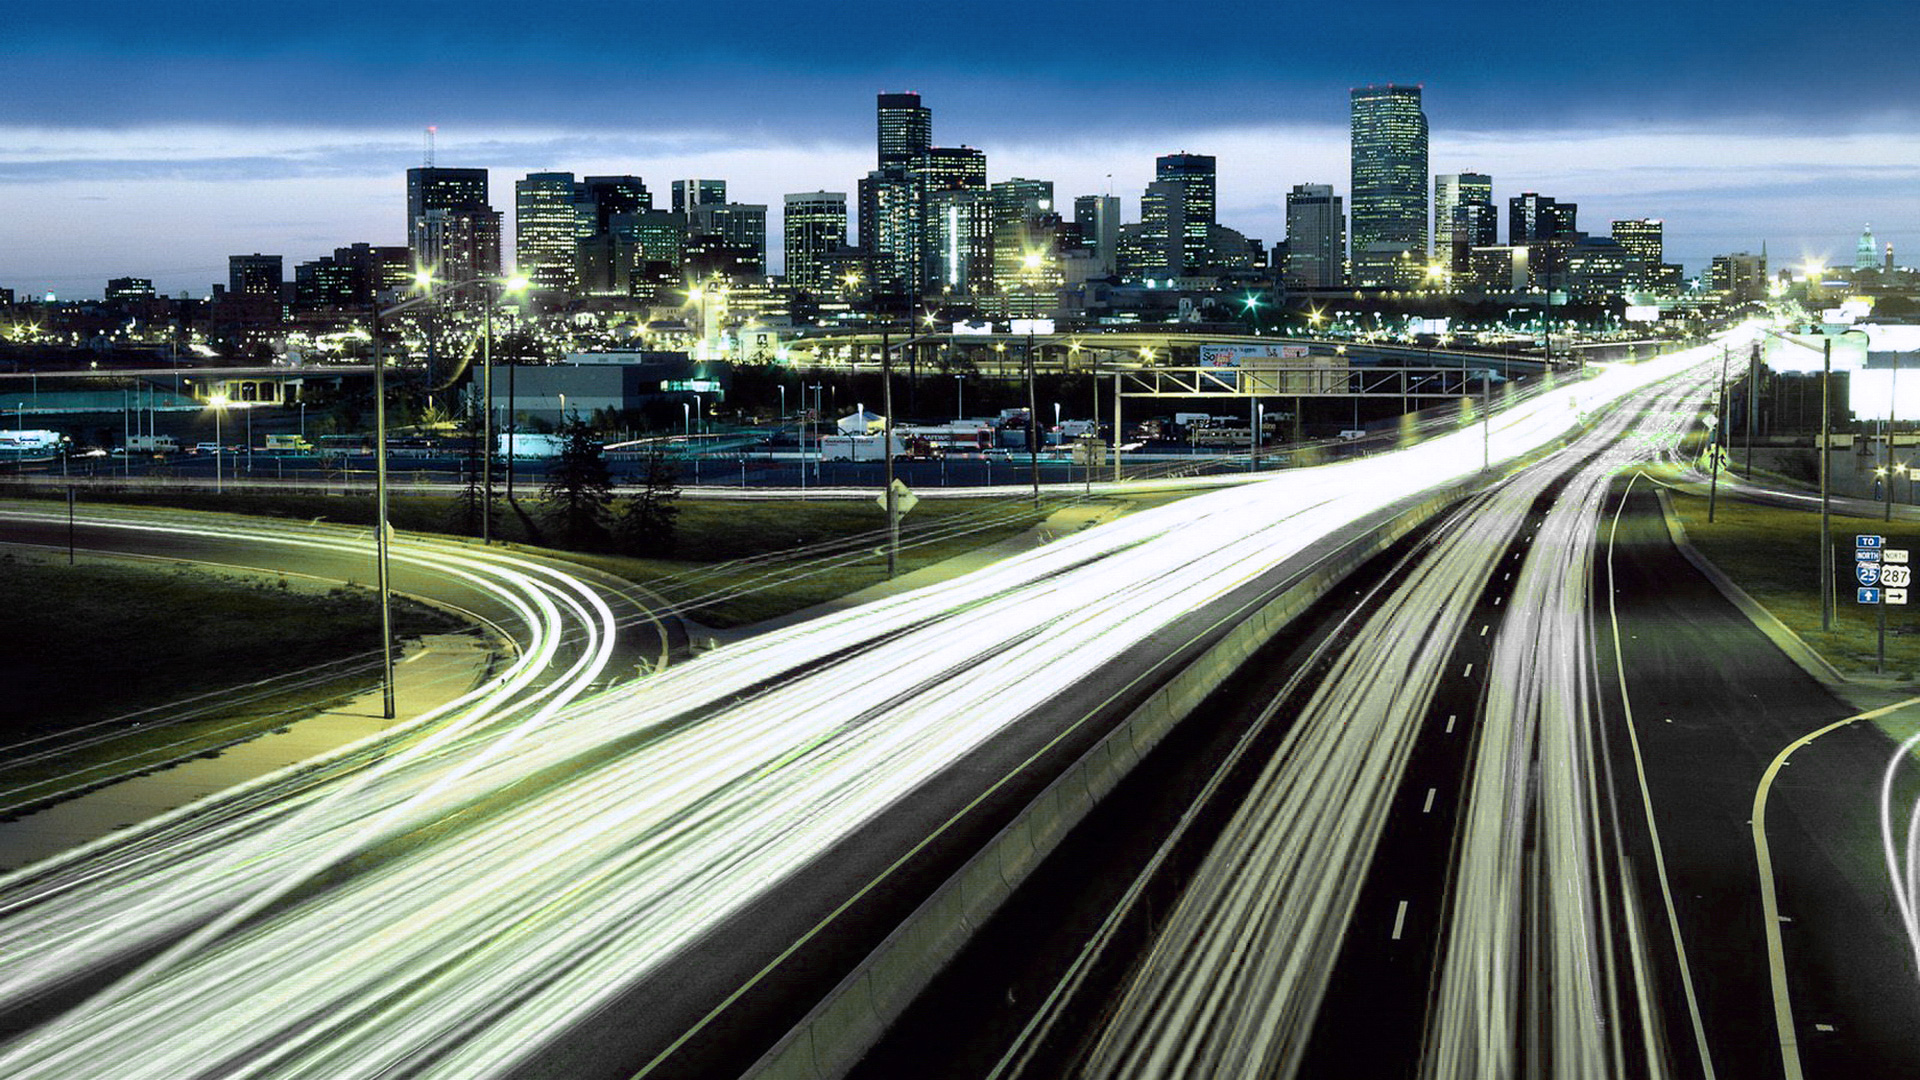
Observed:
{"x":926,"y":233}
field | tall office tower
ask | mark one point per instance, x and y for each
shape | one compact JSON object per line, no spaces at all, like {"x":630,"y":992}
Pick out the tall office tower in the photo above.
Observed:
{"x":890,"y":228}
{"x":544,"y":231}
{"x":1532,"y":217}
{"x":610,"y":195}
{"x":942,"y":169}
{"x":1463,"y":216}
{"x":732,"y":237}
{"x":688,"y":194}
{"x":1644,"y":238}
{"x":959,"y":231}
{"x":952,"y":168}
{"x":1316,"y":238}
{"x":1098,"y":218}
{"x":815,"y":226}
{"x":1388,"y":186}
{"x":1195,"y":175}
{"x":459,"y":245}
{"x":255,"y":275}
{"x":906,"y":130}
{"x":1163,"y":228}
{"x":441,"y":189}
{"x":1019,"y":208}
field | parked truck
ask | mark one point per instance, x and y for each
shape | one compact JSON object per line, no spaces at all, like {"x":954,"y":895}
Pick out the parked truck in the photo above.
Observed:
{"x":858,"y":448}
{"x":152,"y":444}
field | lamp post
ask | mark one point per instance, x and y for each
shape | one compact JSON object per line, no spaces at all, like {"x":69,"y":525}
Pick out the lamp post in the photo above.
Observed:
{"x":219,"y":403}
{"x":491,"y":289}
{"x":959,"y":398}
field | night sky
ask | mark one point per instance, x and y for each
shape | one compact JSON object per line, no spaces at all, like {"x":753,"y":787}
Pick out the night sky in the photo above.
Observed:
{"x":153,"y":140}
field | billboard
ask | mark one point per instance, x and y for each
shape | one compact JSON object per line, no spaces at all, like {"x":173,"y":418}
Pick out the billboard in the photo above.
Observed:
{"x":1215,"y":354}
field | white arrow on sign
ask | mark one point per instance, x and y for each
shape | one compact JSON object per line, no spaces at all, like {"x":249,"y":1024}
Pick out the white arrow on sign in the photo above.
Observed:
{"x":1896,"y":577}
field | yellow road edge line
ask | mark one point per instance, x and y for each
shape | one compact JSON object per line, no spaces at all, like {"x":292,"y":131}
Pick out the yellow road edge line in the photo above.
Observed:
{"x":1769,"y":900}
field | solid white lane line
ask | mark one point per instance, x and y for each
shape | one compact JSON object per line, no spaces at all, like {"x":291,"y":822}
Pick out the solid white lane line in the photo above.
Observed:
{"x":1646,"y":803}
{"x":1399,"y":920}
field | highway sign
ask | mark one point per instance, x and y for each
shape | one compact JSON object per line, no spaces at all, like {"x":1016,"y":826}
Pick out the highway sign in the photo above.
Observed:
{"x":1866,"y":555}
{"x":1896,"y":596}
{"x":903,"y":499}
{"x":1866,"y":574}
{"x":1896,"y":577}
{"x":1893,"y":555}
{"x":1867,"y":596}
{"x":1868,"y":540}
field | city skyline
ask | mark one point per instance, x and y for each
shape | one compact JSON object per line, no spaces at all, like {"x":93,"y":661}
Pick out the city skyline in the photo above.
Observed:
{"x":109,"y":188}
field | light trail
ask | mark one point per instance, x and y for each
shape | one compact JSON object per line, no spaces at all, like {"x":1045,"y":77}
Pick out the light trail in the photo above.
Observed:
{"x":456,"y":907}
{"x":1233,"y":982}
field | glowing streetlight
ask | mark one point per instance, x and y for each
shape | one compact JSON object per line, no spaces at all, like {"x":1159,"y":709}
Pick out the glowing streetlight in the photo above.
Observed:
{"x":219,"y":403}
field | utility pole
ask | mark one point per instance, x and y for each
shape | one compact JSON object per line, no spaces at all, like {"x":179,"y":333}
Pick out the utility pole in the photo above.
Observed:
{"x":1033,"y":425}
{"x":1893,"y":386}
{"x":1826,"y":545}
{"x":1713,"y":447}
{"x":380,"y":520}
{"x":1753,"y":403}
{"x":886,"y":451}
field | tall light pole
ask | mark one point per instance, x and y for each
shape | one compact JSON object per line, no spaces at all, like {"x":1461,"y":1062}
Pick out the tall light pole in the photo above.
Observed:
{"x":219,"y":403}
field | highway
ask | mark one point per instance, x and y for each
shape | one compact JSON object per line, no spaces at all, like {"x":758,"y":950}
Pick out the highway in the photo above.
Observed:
{"x":1235,"y":979}
{"x":473,"y":902}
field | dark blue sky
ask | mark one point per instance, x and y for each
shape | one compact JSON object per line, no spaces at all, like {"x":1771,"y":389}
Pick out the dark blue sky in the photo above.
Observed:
{"x":323,"y":103}
{"x":1021,"y":67}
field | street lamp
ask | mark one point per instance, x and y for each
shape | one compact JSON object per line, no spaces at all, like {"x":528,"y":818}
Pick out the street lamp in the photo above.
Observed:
{"x":219,"y":403}
{"x":491,"y":290}
{"x":959,"y":399}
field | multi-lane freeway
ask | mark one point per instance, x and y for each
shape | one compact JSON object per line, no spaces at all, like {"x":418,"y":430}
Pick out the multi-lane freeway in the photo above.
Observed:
{"x":658,"y":878}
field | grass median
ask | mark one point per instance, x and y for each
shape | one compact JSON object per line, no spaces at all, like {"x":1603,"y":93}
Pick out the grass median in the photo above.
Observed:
{"x":130,"y":665}
{"x":1773,"y":554}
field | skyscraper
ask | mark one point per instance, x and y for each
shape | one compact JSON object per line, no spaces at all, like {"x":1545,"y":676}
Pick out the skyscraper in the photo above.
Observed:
{"x":1098,"y":218}
{"x":255,"y":275}
{"x":544,"y":231}
{"x":1532,"y":217}
{"x":688,"y":194}
{"x":1388,"y":185}
{"x":815,"y":226}
{"x":1195,"y":175}
{"x":906,"y":130}
{"x":1316,"y":238}
{"x":430,"y":188}
{"x":1463,"y":216}
{"x":739,"y":227}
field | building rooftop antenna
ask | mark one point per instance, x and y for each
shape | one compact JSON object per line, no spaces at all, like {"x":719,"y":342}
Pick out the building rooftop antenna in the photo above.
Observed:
{"x":430,"y":130}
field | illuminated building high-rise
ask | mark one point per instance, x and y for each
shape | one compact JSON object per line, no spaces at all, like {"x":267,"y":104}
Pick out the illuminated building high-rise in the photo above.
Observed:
{"x":815,"y":226}
{"x":1463,"y":217}
{"x":1388,"y":189}
{"x":544,"y":231}
{"x":456,"y":192}
{"x":255,"y":275}
{"x":905,"y":128}
{"x":1098,"y":219}
{"x":730,"y":238}
{"x":1194,"y":173}
{"x":1316,"y":238}
{"x":688,"y":194}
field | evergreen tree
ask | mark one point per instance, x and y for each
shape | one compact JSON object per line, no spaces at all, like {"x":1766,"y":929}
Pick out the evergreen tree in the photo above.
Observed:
{"x":471,"y":502}
{"x":578,"y":492}
{"x":647,"y":518}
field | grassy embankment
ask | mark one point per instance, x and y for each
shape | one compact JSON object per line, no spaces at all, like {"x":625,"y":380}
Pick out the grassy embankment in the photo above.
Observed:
{"x":160,"y":661}
{"x":791,"y":554}
{"x":1772,"y":553}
